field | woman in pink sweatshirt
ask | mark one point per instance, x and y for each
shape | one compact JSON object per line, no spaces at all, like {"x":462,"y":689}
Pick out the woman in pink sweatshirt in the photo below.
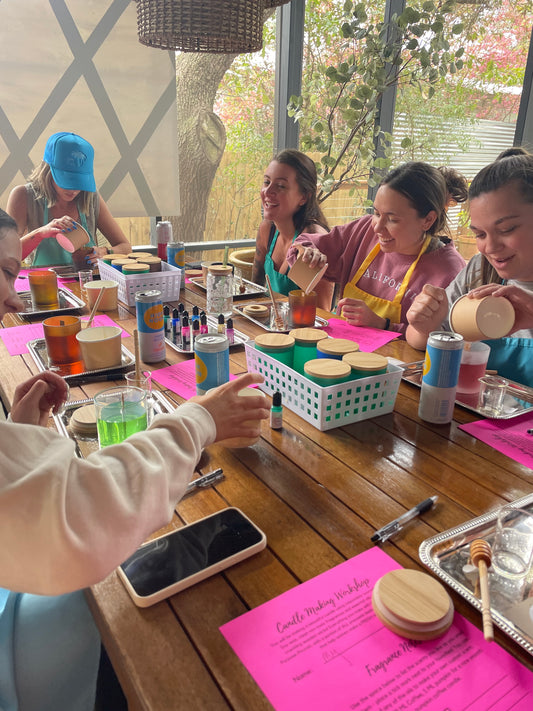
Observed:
{"x":382,"y":261}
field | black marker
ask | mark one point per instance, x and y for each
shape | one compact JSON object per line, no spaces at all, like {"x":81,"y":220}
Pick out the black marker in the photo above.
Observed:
{"x":185,"y":334}
{"x":176,"y":327}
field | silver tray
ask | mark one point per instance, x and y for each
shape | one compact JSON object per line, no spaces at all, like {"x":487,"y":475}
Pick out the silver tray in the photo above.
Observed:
{"x":269,"y":324}
{"x":511,"y":603}
{"x":242,"y":288}
{"x":239,"y":338}
{"x":518,"y":398}
{"x":37,"y":349}
{"x":68,"y":303}
{"x":85,"y":444}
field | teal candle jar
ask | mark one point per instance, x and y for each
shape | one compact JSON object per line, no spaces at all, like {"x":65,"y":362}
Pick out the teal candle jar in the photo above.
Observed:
{"x":364,"y":365}
{"x":305,"y":341}
{"x":327,"y":371}
{"x":277,"y":345}
{"x":336,"y":348}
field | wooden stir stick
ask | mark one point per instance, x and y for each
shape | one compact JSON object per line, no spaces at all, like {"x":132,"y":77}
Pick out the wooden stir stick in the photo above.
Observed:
{"x":277,"y":318}
{"x":95,"y":307}
{"x":481,"y":555}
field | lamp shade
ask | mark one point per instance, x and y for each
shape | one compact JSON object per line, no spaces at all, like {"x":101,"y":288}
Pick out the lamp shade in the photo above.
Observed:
{"x":218,"y":26}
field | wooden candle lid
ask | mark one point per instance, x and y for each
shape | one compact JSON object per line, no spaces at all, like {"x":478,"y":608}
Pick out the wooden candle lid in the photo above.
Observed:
{"x":139,"y":256}
{"x":259,"y":311}
{"x":366,"y":361}
{"x":412,"y":604}
{"x":307,"y":336}
{"x":337,"y":346}
{"x":274,"y":341}
{"x":327,"y":368}
{"x":83,"y":421}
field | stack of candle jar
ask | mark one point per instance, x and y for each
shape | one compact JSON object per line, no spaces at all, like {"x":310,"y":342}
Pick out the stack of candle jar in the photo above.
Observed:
{"x":134,"y":263}
{"x":326,"y":361}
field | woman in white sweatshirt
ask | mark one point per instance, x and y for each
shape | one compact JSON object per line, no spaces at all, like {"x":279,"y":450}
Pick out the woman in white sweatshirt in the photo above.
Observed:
{"x":66,"y":523}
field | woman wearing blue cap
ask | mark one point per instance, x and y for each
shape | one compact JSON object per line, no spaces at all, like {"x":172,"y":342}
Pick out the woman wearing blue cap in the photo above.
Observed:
{"x":61,"y":191}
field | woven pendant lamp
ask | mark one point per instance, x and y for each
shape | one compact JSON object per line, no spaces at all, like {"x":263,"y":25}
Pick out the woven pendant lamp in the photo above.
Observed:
{"x":218,"y":26}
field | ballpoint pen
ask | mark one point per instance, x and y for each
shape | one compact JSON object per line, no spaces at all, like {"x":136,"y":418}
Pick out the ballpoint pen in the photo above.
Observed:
{"x":394,"y":526}
{"x":204,"y":481}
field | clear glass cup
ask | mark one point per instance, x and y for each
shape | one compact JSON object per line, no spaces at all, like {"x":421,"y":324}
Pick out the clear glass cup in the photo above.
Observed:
{"x":84,"y":276}
{"x":492,"y":394}
{"x":473,"y":365}
{"x":512,"y":549}
{"x":60,"y":338}
{"x":143,"y":381}
{"x":120,"y":412}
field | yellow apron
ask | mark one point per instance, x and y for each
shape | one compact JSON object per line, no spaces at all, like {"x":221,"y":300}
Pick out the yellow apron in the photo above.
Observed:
{"x":382,"y":307}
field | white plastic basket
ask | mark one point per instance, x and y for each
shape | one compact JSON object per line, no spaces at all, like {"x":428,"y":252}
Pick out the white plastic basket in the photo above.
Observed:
{"x":167,"y":281}
{"x":326,"y":407}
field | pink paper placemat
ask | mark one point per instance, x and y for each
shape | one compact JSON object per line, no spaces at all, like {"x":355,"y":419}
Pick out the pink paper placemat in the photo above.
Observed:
{"x":16,"y":338}
{"x":320,"y":646}
{"x":180,"y":378}
{"x":369,"y":339}
{"x":507,"y":436}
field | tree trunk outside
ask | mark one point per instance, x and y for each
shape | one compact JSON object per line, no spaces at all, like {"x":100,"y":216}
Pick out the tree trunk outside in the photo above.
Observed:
{"x":201,"y":138}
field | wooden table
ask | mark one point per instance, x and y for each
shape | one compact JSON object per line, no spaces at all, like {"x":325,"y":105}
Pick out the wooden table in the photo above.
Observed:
{"x":318,"y":496}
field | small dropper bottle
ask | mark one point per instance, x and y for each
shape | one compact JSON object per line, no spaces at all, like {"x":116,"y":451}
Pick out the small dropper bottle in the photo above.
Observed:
{"x":276,"y":412}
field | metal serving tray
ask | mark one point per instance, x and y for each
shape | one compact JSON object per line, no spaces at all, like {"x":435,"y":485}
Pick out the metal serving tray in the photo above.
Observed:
{"x":85,"y":444}
{"x":447,"y":553}
{"x":269,"y":323}
{"x":518,"y":398}
{"x":68,"y":303}
{"x":239,"y":338}
{"x":242,"y":288}
{"x":37,"y":349}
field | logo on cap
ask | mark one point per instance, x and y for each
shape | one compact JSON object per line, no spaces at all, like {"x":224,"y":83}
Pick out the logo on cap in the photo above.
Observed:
{"x":75,"y":160}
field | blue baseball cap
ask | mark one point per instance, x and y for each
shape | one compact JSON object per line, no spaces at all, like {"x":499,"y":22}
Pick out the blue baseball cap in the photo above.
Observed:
{"x":71,"y":159}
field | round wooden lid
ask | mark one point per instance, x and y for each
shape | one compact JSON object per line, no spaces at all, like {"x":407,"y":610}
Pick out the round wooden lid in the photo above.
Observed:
{"x":220,"y":270}
{"x":337,"y":346}
{"x":366,"y":361}
{"x":256,"y":310}
{"x":121,"y":262}
{"x":412,"y":604}
{"x":83,"y":420}
{"x":108,"y":258}
{"x":139,"y":255}
{"x":153,"y":260}
{"x":327,"y":368}
{"x":136,"y":268}
{"x":307,"y":335}
{"x":274,"y":341}
{"x":193,"y":273}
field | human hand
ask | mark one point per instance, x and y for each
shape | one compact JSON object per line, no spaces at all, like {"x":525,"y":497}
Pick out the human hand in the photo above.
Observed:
{"x":60,"y":224}
{"x":94,"y":255}
{"x":521,"y":300}
{"x":35,"y":398}
{"x":357,"y":313}
{"x":428,"y":310}
{"x":233,"y":415}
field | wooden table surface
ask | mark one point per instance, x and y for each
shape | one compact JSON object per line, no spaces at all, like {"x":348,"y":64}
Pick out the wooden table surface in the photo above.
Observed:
{"x":318,"y":496}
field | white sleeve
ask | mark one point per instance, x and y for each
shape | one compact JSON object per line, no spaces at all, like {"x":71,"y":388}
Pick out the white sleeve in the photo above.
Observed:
{"x":66,"y":523}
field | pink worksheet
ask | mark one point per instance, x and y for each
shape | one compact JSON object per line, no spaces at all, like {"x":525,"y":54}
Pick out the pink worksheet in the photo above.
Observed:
{"x":368,"y":338}
{"x":22,"y":283}
{"x":320,"y":646}
{"x":180,"y":378}
{"x":16,"y":338}
{"x":510,"y":437}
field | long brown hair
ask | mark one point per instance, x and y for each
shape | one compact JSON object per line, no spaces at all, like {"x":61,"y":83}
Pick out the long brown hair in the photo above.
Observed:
{"x":310,"y":212}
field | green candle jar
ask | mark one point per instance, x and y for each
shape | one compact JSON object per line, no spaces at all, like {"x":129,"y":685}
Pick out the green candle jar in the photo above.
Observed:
{"x":327,"y":371}
{"x":305,"y":341}
{"x":364,"y":365}
{"x":277,"y":345}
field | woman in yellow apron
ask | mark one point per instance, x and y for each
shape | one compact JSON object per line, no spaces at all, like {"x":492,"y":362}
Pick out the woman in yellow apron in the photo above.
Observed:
{"x":382,"y":261}
{"x":61,"y":191}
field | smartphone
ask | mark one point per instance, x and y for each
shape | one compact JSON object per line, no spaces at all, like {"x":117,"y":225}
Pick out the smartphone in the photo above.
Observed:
{"x":177,"y":560}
